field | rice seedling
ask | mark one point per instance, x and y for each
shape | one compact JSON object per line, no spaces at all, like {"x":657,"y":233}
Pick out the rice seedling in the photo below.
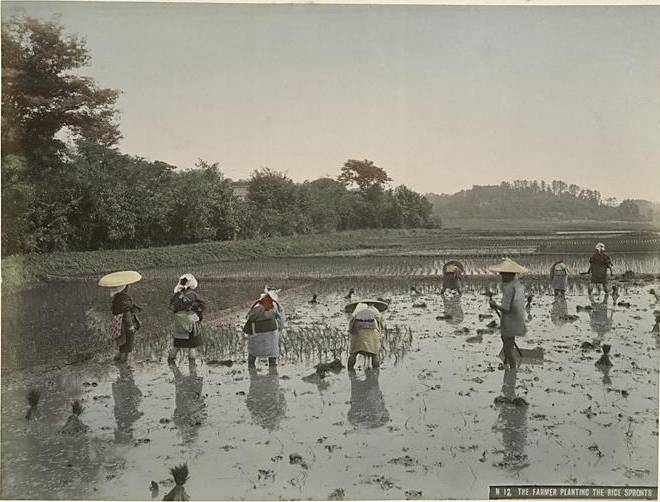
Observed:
{"x":74,"y":425}
{"x":180,"y":474}
{"x":33,"y":396}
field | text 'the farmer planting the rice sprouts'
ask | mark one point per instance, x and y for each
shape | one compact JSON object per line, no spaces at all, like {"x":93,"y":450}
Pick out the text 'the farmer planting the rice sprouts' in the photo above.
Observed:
{"x":125,"y":322}
{"x":265,"y":322}
{"x":366,"y":327}
{"x":599,"y":264}
{"x":188,"y":310}
{"x":512,"y":309}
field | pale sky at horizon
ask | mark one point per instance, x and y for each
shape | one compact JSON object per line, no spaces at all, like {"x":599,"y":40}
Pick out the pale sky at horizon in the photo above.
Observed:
{"x":441,"y":97}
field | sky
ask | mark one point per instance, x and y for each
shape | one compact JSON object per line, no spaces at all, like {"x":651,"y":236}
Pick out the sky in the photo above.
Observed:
{"x":442,"y":97}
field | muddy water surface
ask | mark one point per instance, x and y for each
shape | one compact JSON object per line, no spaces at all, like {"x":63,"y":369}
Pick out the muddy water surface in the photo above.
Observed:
{"x":424,"y":426}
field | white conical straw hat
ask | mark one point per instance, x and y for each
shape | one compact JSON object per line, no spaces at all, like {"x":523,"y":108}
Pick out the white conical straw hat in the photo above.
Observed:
{"x":508,"y":265}
{"x":122,"y":278}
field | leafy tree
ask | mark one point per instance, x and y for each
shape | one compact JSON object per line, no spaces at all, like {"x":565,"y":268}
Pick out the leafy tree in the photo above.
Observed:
{"x":364,"y":174}
{"x":42,"y":92}
{"x":279,"y":204}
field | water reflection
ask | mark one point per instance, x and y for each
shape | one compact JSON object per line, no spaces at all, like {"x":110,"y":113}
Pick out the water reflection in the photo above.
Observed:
{"x":265,"y":400}
{"x":600,"y":316}
{"x":559,"y":311}
{"x":605,"y":370}
{"x":127,"y":397}
{"x":190,"y":409}
{"x":454,"y":308}
{"x":367,"y":403}
{"x":512,"y":422}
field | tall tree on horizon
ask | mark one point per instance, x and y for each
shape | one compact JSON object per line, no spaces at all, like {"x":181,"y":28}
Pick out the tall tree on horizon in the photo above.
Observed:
{"x":43,"y":93}
{"x":364,"y":174}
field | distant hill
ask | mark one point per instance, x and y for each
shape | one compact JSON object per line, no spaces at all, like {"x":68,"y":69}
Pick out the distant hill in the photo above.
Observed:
{"x":524,"y":199}
{"x":648,"y":209}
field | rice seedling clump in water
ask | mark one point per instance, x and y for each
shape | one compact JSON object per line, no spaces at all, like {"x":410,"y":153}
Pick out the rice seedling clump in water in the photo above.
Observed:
{"x":33,"y":396}
{"x":180,"y":475}
{"x":74,"y":425}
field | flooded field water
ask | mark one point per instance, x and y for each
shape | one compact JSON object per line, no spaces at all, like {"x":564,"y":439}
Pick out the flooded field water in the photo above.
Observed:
{"x":423,"y":426}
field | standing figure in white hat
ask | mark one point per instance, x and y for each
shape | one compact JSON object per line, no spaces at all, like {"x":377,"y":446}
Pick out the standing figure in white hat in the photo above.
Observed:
{"x":599,"y":264}
{"x":188,"y":309}
{"x":265,"y":322}
{"x":512,"y":309}
{"x":125,"y":322}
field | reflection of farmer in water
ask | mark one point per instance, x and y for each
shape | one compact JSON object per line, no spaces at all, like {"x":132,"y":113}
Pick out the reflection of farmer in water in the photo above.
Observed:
{"x":599,"y":318}
{"x":190,"y":408}
{"x":127,"y":397}
{"x":559,"y":311}
{"x":513,"y":423}
{"x":367,"y":403}
{"x":454,"y":308}
{"x":265,"y":400}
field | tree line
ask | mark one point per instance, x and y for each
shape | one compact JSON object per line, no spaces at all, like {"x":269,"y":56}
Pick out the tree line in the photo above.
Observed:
{"x":534,"y":199}
{"x":66,"y":187}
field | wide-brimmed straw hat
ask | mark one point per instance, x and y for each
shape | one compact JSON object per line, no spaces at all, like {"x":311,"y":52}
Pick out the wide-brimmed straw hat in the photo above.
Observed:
{"x":381,"y":306}
{"x":122,"y":278}
{"x":508,"y":265}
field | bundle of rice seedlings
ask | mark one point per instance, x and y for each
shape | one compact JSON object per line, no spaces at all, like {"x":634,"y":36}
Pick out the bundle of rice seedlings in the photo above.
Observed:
{"x":74,"y":425}
{"x":33,"y":396}
{"x":180,"y":475}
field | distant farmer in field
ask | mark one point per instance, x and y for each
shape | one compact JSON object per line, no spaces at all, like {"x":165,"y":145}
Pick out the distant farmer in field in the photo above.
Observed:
{"x":188,"y":310}
{"x":512,"y":309}
{"x":265,"y":322}
{"x":125,"y":322}
{"x":452,"y":273}
{"x":599,"y":264}
{"x":366,"y":326}
{"x":559,"y":277}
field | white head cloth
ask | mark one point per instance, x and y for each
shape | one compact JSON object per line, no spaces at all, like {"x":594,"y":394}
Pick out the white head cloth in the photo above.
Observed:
{"x":600,"y":246}
{"x":191,"y":283}
{"x":272,"y":292}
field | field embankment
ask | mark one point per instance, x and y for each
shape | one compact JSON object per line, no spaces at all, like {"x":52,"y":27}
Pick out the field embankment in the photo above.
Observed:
{"x":23,"y":270}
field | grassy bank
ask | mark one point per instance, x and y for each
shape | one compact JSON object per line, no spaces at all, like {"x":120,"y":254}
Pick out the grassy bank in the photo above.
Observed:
{"x":23,"y":270}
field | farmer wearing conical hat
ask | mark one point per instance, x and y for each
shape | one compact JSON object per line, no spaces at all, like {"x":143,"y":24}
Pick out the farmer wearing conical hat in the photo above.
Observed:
{"x":512,"y":309}
{"x":599,"y":264}
{"x":188,"y":308}
{"x":559,"y":277}
{"x":452,"y":273}
{"x":125,"y":322}
{"x":366,"y":326}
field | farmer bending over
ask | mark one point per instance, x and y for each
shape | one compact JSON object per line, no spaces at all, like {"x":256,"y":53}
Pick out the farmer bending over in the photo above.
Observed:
{"x":366,"y":327}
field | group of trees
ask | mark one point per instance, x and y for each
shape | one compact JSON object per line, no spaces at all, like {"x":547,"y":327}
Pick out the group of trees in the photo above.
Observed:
{"x":65,"y":186}
{"x":532,"y":199}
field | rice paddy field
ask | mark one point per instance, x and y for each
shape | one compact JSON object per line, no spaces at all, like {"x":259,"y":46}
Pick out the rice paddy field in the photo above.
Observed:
{"x":426,"y":425}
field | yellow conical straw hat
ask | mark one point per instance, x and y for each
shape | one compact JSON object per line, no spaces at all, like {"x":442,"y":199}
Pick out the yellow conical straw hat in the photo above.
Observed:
{"x":381,"y":306}
{"x":508,"y":265}
{"x":122,"y":278}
